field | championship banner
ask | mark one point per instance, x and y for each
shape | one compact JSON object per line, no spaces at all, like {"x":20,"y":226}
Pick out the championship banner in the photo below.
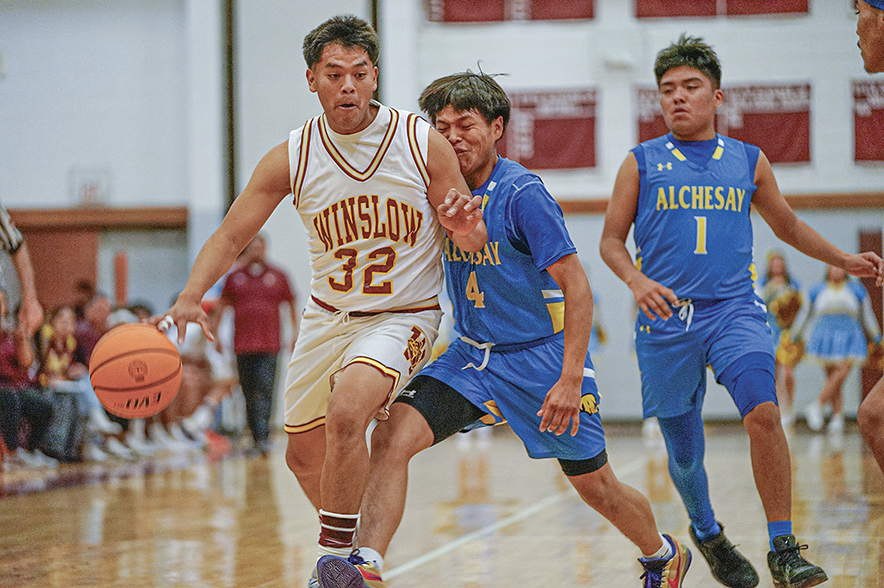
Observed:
{"x":868,"y":120}
{"x":701,"y":8}
{"x":776,"y":118}
{"x":501,"y":10}
{"x":551,"y":129}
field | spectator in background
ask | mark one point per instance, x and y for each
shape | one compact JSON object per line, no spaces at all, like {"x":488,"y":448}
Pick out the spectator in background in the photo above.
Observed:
{"x":94,"y":324}
{"x":255,"y":291}
{"x":782,"y":296}
{"x":84,"y":292}
{"x":842,"y":321}
{"x":20,"y":397}
{"x":91,"y":327}
{"x":60,"y":372}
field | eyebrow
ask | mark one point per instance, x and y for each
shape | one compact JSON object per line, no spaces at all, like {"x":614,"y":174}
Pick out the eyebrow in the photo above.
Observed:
{"x":339,"y":65}
{"x":686,"y":80}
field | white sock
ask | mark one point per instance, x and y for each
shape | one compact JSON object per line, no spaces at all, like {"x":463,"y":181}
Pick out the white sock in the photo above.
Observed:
{"x":372,"y":557}
{"x":342,"y":552}
{"x":664,"y":552}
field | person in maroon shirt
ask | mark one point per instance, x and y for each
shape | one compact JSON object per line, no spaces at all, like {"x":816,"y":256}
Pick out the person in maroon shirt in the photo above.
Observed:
{"x":255,"y":290}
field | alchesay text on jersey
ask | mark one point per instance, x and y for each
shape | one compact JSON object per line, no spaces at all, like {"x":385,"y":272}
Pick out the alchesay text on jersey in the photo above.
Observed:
{"x":367,"y":217}
{"x":700,"y":198}
{"x":488,"y":255}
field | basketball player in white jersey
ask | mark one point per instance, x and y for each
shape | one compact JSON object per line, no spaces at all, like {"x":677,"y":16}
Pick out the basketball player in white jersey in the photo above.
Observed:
{"x":376,"y":189}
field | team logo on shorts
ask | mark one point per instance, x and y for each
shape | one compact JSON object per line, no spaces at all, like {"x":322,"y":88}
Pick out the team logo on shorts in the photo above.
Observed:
{"x":416,"y":349}
{"x":589,"y":404}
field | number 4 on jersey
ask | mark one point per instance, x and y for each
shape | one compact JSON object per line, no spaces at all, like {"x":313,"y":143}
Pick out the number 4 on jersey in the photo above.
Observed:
{"x":473,"y":292}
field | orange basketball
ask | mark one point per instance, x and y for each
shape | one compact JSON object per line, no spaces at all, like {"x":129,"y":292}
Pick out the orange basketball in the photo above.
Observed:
{"x":135,"y":370}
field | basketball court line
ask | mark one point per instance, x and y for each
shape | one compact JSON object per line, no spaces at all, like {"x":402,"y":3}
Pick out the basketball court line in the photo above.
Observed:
{"x":534,"y":509}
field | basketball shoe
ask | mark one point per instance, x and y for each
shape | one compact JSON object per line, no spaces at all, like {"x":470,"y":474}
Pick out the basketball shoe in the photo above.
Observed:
{"x":336,"y":572}
{"x":727,"y":565}
{"x":370,"y":574}
{"x":671,"y":570}
{"x":789,"y":569}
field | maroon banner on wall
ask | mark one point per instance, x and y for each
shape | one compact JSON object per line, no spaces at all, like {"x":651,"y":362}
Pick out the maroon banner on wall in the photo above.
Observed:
{"x":776,"y":118}
{"x":501,"y":10}
{"x":700,"y":8}
{"x":553,"y":129}
{"x":868,"y":120}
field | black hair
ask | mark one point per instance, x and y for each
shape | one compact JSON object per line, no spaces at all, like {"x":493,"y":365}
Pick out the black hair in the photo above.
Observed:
{"x":692,"y":52}
{"x":348,"y":31}
{"x":466,"y":91}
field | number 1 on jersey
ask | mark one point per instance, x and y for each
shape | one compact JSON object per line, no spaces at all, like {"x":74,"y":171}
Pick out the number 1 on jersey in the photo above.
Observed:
{"x":701,"y":235}
{"x":473,"y":292}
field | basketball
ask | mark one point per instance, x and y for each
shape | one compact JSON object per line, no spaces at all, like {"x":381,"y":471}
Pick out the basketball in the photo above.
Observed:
{"x":135,"y":370}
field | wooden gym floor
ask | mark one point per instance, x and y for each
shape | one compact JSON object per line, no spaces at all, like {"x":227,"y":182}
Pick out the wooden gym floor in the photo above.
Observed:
{"x":475,"y":518}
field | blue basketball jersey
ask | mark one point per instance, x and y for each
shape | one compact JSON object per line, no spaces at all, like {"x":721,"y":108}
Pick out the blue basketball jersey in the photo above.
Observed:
{"x":503,"y":294}
{"x":692,"y":228}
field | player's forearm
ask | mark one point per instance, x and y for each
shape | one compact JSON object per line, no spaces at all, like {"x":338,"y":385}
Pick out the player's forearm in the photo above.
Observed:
{"x":806,"y":240}
{"x":578,"y":326}
{"x":472,"y":242}
{"x":214,"y":259}
{"x":616,"y":256}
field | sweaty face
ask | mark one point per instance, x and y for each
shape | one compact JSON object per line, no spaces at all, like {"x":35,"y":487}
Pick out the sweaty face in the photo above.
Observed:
{"x":344,"y":80}
{"x":870,"y":28}
{"x":474,"y":141}
{"x":689,"y":102}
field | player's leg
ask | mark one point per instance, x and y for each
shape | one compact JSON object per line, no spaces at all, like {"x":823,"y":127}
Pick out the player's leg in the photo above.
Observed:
{"x":427,"y":412}
{"x":393,"y":443}
{"x":871,"y":421}
{"x":304,"y":456}
{"x":359,"y":391}
{"x":686,"y":444}
{"x":749,"y":379}
{"x":384,"y":351}
{"x":664,"y":559}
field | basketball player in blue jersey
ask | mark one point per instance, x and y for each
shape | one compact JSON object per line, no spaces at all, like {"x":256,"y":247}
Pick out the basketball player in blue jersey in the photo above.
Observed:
{"x":870,"y":28}
{"x":688,"y":194}
{"x":523,"y":313}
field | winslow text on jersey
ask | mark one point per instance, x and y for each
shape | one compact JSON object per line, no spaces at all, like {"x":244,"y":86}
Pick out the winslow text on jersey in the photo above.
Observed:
{"x":367,"y":217}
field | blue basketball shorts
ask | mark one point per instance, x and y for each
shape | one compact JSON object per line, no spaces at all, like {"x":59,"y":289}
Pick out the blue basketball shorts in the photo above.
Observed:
{"x":512,"y":387}
{"x":673,"y":355}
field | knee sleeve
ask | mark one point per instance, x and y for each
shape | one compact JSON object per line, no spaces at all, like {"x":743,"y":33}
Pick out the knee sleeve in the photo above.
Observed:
{"x":750,"y":381}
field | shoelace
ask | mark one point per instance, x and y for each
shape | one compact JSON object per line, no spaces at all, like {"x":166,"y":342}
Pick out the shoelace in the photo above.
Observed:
{"x":356,"y":559}
{"x":652,"y":578}
{"x":792,"y":553}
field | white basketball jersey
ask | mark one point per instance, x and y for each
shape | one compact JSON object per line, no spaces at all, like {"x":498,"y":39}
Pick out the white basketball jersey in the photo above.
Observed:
{"x":375,"y":241}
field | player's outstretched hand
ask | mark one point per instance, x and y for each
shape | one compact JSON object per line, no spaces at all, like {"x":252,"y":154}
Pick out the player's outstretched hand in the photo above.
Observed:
{"x":460,"y":213}
{"x":866,"y":265}
{"x":182,"y":312}
{"x":653,"y":298}
{"x":561,"y":408}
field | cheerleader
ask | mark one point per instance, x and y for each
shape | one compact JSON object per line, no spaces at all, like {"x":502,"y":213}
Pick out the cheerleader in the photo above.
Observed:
{"x":782,"y":296}
{"x":843,"y":323}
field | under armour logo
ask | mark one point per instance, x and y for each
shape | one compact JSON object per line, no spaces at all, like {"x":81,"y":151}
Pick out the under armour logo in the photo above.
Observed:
{"x":668,"y":165}
{"x":408,"y":393}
